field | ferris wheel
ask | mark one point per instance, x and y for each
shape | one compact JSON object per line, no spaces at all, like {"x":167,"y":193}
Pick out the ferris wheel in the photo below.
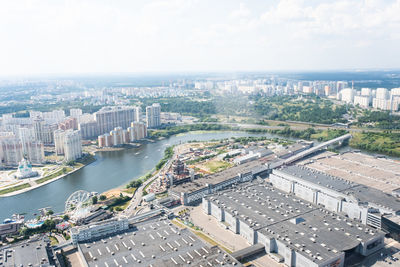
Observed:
{"x":76,"y":200}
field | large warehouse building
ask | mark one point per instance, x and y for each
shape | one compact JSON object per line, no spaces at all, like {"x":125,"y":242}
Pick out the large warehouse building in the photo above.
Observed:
{"x":357,"y":201}
{"x":293,"y":231}
{"x":192,"y":192}
{"x":153,"y":243}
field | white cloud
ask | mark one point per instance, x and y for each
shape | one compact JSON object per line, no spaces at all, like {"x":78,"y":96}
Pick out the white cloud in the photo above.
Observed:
{"x":179,"y":35}
{"x":242,"y":11}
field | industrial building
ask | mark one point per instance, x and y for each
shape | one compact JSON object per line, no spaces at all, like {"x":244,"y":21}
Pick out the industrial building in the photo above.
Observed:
{"x":98,"y":229}
{"x":154,"y":242}
{"x":33,"y":252}
{"x":293,"y":231}
{"x":357,"y":201}
{"x":193,"y":191}
{"x":294,"y":149}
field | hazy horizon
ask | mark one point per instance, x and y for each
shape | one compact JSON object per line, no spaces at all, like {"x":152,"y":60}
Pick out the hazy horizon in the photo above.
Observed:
{"x":190,"y":36}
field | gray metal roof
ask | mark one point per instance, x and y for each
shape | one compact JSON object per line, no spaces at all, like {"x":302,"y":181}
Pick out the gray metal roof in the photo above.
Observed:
{"x":361,"y":192}
{"x":25,"y":253}
{"x":315,"y":232}
{"x":154,"y":243}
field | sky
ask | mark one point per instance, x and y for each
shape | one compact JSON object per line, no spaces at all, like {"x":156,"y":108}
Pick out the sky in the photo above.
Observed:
{"x":132,"y":36}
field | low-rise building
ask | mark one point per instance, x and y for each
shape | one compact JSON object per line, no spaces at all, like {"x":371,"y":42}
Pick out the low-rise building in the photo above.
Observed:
{"x":193,"y":191}
{"x":357,"y":201}
{"x":153,"y":242}
{"x":293,"y":231}
{"x":33,"y":252}
{"x":98,"y":230}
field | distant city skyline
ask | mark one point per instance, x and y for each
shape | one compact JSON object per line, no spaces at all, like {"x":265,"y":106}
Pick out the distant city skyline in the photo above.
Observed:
{"x":72,"y":37}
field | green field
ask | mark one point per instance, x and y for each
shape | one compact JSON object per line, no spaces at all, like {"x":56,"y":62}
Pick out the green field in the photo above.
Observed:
{"x":379,"y":142}
{"x":54,"y":175}
{"x":217,"y":166}
{"x":15,"y":188}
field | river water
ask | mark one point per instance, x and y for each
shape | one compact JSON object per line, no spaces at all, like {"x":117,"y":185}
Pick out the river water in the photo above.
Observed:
{"x":110,"y":170}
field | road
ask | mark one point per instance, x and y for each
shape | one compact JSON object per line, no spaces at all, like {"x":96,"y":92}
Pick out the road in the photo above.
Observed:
{"x":137,"y":197}
{"x":294,"y":126}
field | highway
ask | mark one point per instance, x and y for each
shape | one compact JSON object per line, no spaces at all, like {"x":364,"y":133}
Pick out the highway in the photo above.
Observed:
{"x":317,"y":148}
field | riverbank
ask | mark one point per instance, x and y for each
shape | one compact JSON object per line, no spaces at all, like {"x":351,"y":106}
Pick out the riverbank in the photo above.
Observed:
{"x":110,"y":170}
{"x":117,"y":148}
{"x":32,"y":184}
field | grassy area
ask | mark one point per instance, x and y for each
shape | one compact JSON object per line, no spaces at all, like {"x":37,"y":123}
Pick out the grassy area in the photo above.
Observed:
{"x":64,"y":170}
{"x":147,"y":186}
{"x":217,"y":166}
{"x":180,"y":225}
{"x":383,"y":142}
{"x":87,"y":159}
{"x":53,"y":240}
{"x":122,"y":206}
{"x":120,"y":203}
{"x":130,"y":190}
{"x":15,"y":188}
{"x":325,"y":135}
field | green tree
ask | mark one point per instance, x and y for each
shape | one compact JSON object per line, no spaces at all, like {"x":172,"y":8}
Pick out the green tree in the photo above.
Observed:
{"x":103,"y":197}
{"x":50,"y":212}
{"x":94,"y":200}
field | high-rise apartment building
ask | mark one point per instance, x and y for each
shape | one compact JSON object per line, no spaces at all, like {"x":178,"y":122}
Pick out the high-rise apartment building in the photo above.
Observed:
{"x":44,"y":132}
{"x":108,"y":118}
{"x":50,"y":117}
{"x":340,"y":85}
{"x":137,"y":131}
{"x":10,"y":151}
{"x":34,"y":151}
{"x":72,"y":145}
{"x":347,"y":95}
{"x":68,"y":143}
{"x":88,"y":130}
{"x":382,"y":93}
{"x":362,"y":101}
{"x":59,"y":137}
{"x":75,"y":112}
{"x":153,"y":116}
{"x":68,"y":123}
{"x":119,"y":136}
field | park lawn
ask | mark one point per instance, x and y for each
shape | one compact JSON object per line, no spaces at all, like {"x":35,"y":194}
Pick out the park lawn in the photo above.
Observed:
{"x":53,"y":240}
{"x":217,"y":166}
{"x":62,"y":171}
{"x":123,"y":206}
{"x":326,"y":135}
{"x":378,"y":142}
{"x":15,"y":188}
{"x":130,"y":190}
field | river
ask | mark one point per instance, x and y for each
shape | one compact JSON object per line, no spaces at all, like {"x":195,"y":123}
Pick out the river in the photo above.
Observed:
{"x":110,"y":170}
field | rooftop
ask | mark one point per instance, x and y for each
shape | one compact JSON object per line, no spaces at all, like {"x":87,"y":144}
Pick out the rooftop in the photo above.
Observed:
{"x":317,"y":177}
{"x":360,"y":192}
{"x":154,"y":243}
{"x":253,"y":166}
{"x":25,"y":253}
{"x":315,"y":232}
{"x":379,"y":173}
